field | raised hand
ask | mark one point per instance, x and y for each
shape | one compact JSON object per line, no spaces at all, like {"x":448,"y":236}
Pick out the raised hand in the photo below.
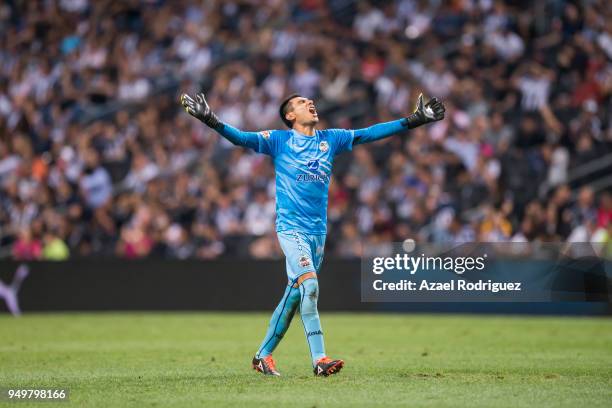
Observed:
{"x":424,"y":113}
{"x":199,"y":109}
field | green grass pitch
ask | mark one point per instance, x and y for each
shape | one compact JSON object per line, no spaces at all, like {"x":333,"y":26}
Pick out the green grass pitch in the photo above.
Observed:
{"x":203,"y":359}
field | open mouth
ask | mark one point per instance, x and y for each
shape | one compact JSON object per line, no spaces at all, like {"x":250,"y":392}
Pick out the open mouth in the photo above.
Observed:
{"x":312,"y":110}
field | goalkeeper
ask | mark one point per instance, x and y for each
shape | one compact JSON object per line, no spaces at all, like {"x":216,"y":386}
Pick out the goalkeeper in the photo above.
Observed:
{"x":303,"y":158}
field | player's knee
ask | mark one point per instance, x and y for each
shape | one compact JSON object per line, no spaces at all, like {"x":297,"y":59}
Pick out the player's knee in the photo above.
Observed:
{"x":310,"y":296}
{"x":311,"y":288}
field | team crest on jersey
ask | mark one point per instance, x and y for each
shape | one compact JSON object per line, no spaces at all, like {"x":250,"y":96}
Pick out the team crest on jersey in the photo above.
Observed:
{"x":265,"y":134}
{"x":304,"y":261}
{"x":324,"y":146}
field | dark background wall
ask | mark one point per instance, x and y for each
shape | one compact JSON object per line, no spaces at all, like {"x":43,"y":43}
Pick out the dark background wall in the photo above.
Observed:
{"x":86,"y":285}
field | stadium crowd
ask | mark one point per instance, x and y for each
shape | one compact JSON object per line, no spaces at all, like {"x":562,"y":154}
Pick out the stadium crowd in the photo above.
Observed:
{"x":98,"y":158}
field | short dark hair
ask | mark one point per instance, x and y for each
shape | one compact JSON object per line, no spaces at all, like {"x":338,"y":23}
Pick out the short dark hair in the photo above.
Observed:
{"x":284,"y":108}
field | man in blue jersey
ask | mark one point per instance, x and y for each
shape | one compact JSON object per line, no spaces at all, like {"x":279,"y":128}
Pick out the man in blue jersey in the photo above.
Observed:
{"x":303,"y":158}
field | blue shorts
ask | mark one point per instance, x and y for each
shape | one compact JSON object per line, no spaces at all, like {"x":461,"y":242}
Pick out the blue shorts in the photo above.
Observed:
{"x":303,"y":252}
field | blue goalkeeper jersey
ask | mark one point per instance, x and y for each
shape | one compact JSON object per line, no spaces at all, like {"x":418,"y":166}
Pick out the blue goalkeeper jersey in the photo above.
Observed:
{"x":303,"y":166}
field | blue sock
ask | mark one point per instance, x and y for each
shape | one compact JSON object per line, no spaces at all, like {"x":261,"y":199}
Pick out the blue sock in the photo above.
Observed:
{"x":280,"y":321}
{"x":309,"y":290}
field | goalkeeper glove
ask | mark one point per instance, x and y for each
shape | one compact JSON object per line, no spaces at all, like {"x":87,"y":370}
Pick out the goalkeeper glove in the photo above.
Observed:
{"x":432,"y":111}
{"x":198,"y":108}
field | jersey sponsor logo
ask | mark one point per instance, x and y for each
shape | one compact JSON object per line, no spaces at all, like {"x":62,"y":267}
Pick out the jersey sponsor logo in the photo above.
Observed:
{"x":310,"y":178}
{"x":313,"y":164}
{"x":265,"y":134}
{"x":315,"y":174}
{"x":323,"y":146}
{"x":304,"y":261}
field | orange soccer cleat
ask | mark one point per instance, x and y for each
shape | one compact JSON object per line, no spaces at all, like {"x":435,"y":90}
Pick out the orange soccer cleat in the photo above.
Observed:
{"x":326,"y":366}
{"x":265,"y":365}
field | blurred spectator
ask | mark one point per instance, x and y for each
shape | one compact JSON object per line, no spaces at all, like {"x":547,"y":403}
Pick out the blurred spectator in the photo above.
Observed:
{"x":26,"y":247}
{"x":259,"y":215}
{"x":98,"y":159}
{"x":95,"y":182}
{"x":368,"y":20}
{"x":604,"y":212}
{"x":55,"y":248}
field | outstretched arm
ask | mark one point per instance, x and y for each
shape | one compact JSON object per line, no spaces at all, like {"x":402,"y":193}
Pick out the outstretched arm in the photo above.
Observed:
{"x":425,"y":113}
{"x":199,"y":109}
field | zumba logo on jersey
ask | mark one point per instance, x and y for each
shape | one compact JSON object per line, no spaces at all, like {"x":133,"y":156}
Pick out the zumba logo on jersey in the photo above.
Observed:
{"x":312,"y":165}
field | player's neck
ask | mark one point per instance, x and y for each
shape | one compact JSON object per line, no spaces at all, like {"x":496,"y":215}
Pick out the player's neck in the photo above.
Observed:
{"x":308,"y":130}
